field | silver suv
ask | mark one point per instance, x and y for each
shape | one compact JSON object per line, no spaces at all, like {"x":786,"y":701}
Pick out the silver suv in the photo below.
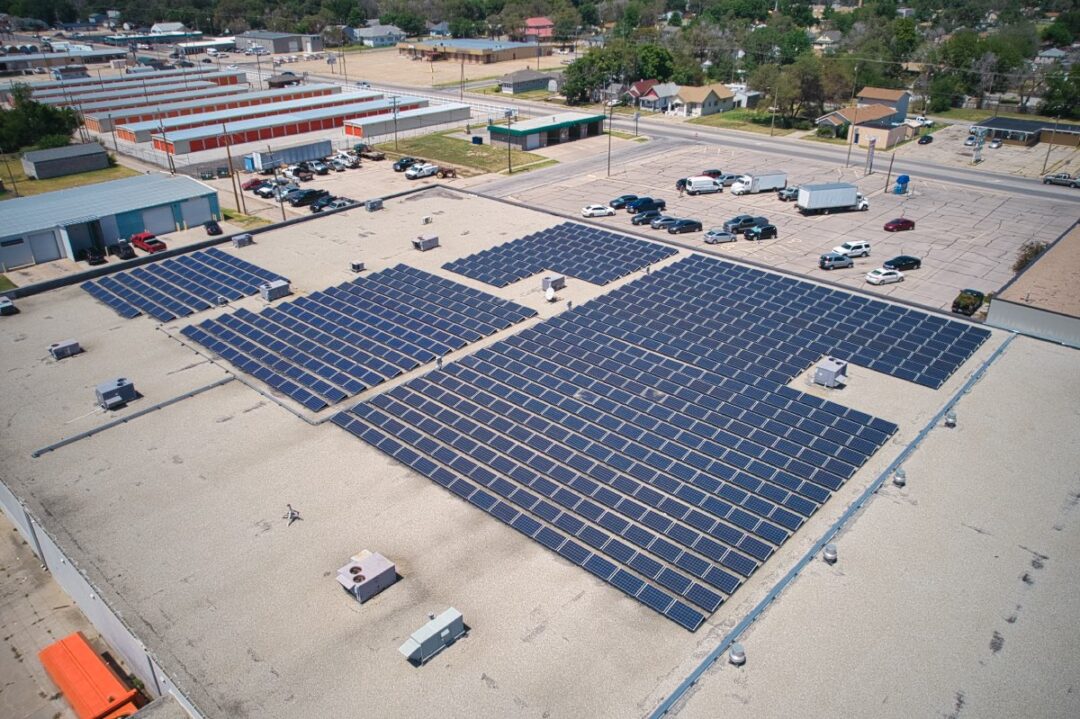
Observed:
{"x":835,"y":261}
{"x":855,"y":248}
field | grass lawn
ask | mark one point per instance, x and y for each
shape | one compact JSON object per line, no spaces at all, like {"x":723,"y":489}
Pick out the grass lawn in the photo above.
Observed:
{"x":445,"y":148}
{"x":248,"y":222}
{"x":829,"y":140}
{"x":627,"y":136}
{"x":6,"y":284}
{"x":496,"y":90}
{"x":10,"y":164}
{"x":740,"y":120}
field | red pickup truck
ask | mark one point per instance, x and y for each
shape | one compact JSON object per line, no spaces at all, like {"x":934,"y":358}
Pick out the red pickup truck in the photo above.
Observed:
{"x":148,"y":242}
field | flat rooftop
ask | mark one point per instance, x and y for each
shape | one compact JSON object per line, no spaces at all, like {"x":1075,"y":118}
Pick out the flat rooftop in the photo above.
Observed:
{"x":473,"y":44}
{"x":1020,"y":125}
{"x":1050,"y":282}
{"x":548,"y":122}
{"x":243,"y":612}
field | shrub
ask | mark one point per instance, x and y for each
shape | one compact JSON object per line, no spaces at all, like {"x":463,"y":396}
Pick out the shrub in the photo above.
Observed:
{"x":1027,"y":254}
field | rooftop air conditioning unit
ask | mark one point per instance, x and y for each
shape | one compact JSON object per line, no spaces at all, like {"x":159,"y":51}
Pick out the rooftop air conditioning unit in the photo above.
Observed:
{"x":372,"y":205}
{"x":426,"y":242}
{"x":433,"y":637}
{"x":367,"y":574}
{"x":7,"y":307}
{"x":357,"y":266}
{"x":555,"y":282}
{"x":116,"y":393}
{"x":275,"y":290}
{"x":831,"y":372}
{"x":243,"y":240}
{"x":67,"y":348}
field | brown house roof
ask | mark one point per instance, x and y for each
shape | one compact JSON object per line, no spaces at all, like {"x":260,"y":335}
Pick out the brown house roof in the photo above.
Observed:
{"x":881,"y":93}
{"x":700,"y":94}
{"x":860,"y":114}
{"x":641,"y":87}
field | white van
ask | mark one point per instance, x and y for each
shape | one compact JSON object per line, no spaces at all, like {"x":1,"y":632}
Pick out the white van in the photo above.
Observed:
{"x":702,"y":185}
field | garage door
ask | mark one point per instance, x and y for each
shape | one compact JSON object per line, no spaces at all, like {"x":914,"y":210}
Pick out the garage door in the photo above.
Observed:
{"x":15,"y":252}
{"x":44,"y":246}
{"x":196,"y":211}
{"x":159,"y":220}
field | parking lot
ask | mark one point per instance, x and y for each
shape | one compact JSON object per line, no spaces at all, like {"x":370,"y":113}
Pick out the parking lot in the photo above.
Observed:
{"x":965,"y":238}
{"x":948,"y":149}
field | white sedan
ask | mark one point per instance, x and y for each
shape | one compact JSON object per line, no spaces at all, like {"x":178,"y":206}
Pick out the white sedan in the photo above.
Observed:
{"x":597,"y":211}
{"x":882,"y":276}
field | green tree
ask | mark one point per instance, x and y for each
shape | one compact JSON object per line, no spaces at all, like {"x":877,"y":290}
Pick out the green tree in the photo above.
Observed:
{"x":1057,"y":34}
{"x":1062,"y":96}
{"x":905,"y":38}
{"x":27,"y":122}
{"x":944,"y":89}
{"x":655,"y":62}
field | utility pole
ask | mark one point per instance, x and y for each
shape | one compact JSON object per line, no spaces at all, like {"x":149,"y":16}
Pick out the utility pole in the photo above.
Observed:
{"x":393,"y":99}
{"x":1046,"y":161}
{"x":11,"y":174}
{"x":772,"y":122}
{"x":232,"y":173}
{"x":509,"y":122}
{"x":112,"y":131}
{"x":611,"y":116}
{"x":855,"y":117}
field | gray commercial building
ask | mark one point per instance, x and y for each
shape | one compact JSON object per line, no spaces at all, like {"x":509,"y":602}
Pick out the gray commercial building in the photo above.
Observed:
{"x":279,"y":42}
{"x":524,"y":81}
{"x":47,"y":227}
{"x":60,"y":161}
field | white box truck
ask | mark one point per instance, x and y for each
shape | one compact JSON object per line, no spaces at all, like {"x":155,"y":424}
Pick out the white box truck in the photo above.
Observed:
{"x":762,"y":182}
{"x":702,"y":185}
{"x":830,"y":197}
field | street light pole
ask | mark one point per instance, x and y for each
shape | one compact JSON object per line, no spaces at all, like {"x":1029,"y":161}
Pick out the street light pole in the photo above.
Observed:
{"x":772,"y":122}
{"x":509,"y":122}
{"x":611,"y":116}
{"x":1046,"y":160}
{"x":393,"y":100}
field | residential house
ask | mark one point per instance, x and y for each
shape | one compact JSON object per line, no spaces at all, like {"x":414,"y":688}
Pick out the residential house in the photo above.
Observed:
{"x":700,"y":101}
{"x":613,"y":93}
{"x":1051,"y":56}
{"x":827,"y":42}
{"x":378,"y":35}
{"x":855,"y":114}
{"x":538,"y":28}
{"x":659,"y":97}
{"x":164,"y":28}
{"x":745,"y":98}
{"x":524,"y":81}
{"x":438,"y":29}
{"x":896,"y":99}
{"x":639,"y":88}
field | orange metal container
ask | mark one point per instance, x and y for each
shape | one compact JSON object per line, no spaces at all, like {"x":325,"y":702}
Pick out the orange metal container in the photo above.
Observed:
{"x":90,"y":686}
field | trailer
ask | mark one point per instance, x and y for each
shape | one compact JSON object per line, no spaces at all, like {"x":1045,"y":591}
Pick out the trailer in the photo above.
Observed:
{"x":761,"y":182}
{"x":830,"y":197}
{"x":259,"y":161}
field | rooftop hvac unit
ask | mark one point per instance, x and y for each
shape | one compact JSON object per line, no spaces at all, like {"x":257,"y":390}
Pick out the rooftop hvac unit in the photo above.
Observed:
{"x":357,"y":266}
{"x":372,"y":205}
{"x":242,"y":240}
{"x":831,"y":372}
{"x":116,"y":393}
{"x":433,"y":637}
{"x":275,"y":290}
{"x":67,"y":348}
{"x":426,"y":242}
{"x":7,"y":307}
{"x":555,"y":282}
{"x":367,"y":574}
{"x":426,"y":220}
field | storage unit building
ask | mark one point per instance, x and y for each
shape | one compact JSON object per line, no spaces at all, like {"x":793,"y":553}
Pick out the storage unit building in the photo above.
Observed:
{"x":212,"y":92}
{"x":20,"y":63}
{"x":106,"y":119}
{"x":279,"y":42}
{"x":551,"y":130}
{"x":60,"y":161}
{"x":124,"y":82}
{"x":267,"y":128}
{"x":106,"y":81}
{"x":47,"y":227}
{"x":139,"y":89}
{"x":382,"y":125}
{"x":141,"y":131}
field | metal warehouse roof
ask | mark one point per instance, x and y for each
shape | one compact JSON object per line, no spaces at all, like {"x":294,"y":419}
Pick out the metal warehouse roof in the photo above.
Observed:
{"x":60,"y":153}
{"x":543,"y":124}
{"x":52,"y":209}
{"x":107,"y":80}
{"x":120,"y":94}
{"x":474,"y":44}
{"x":129,"y":82}
{"x":405,"y":114}
{"x":84,"y":54}
{"x":196,"y":133}
{"x":265,"y":35}
{"x":219,"y":116}
{"x":118,"y":115}
{"x":101,"y":107}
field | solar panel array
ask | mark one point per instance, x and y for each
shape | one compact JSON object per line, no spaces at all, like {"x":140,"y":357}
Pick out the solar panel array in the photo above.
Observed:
{"x":333,"y":344}
{"x":587,"y":253}
{"x":180,"y":286}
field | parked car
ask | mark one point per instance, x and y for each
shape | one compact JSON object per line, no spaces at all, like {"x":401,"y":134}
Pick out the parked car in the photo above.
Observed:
{"x":644,"y":218}
{"x":337,"y":165}
{"x":727,"y":179}
{"x":148,"y":242}
{"x":995,"y":144}
{"x":340,"y":202}
{"x":184,"y":63}
{"x":645,"y":203}
{"x":835,"y":261}
{"x":1062,"y":178}
{"x":882,"y":276}
{"x":597,"y":211}
{"x":322,"y":203}
{"x":968,"y":302}
{"x":900,"y":224}
{"x":123,"y":250}
{"x":286,"y":192}
{"x":423,"y":169}
{"x":712,"y":173}
{"x":306,"y":197}
{"x":926,"y":139}
{"x":663,"y":222}
{"x":622,"y":201}
{"x":682,"y":226}
{"x":970,"y":141}
{"x":903,"y":262}
{"x":405,"y":163}
{"x":94,"y":256}
{"x":761,"y":232}
{"x":741,"y":223}
{"x":787,"y":194}
{"x":319,"y":168}
{"x":212,"y":228}
{"x":855,"y":248}
{"x":368,"y":152}
{"x":718,"y":235}
{"x":252,"y":184}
